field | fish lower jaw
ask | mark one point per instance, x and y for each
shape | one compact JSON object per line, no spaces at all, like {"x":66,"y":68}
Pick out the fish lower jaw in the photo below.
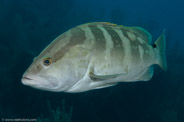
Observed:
{"x":29,"y":82}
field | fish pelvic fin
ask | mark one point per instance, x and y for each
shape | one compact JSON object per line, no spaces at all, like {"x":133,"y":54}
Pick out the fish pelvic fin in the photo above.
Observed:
{"x":160,"y":46}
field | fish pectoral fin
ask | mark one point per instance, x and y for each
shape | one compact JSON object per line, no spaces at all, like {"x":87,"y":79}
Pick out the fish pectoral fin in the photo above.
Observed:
{"x":103,"y":77}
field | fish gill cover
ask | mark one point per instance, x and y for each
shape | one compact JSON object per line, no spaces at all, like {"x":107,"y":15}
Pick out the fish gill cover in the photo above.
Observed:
{"x":27,"y":26}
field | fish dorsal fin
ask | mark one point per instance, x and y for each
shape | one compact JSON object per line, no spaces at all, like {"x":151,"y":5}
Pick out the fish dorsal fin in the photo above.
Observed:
{"x":103,"y":24}
{"x":103,"y":77}
{"x":145,"y":35}
{"x":107,"y":23}
{"x":147,"y":74}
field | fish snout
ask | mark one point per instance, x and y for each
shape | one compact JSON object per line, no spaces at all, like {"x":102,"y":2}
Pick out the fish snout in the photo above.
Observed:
{"x":28,"y":80}
{"x":39,"y":82}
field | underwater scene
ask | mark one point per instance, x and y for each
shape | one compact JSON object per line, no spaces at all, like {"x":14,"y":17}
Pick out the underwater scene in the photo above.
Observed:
{"x":91,"y":61}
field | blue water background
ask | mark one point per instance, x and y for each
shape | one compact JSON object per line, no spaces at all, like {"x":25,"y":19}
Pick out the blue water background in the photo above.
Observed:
{"x":27,"y":26}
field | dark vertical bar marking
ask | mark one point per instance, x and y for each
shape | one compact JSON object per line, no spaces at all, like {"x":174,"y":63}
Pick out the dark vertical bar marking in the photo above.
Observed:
{"x":77,"y":37}
{"x":135,"y":52}
{"x":115,"y":37}
{"x":49,"y":48}
{"x":99,"y":38}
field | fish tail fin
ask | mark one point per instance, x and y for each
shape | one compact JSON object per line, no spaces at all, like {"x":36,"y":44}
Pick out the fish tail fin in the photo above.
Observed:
{"x":160,"y":46}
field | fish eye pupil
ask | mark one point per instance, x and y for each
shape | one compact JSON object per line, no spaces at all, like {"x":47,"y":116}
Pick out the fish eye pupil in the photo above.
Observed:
{"x":47,"y":61}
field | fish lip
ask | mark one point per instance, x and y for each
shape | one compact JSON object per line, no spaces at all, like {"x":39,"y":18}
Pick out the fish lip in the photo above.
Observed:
{"x":28,"y":81}
{"x":27,"y":78}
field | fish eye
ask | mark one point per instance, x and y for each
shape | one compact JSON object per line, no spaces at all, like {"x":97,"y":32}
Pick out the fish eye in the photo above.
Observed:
{"x":47,"y":61}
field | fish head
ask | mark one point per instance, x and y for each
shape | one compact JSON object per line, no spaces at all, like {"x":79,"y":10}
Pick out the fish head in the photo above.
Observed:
{"x":62,"y":64}
{"x":45,"y":74}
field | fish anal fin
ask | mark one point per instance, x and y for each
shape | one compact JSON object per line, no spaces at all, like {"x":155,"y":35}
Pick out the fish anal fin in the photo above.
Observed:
{"x":147,"y":74}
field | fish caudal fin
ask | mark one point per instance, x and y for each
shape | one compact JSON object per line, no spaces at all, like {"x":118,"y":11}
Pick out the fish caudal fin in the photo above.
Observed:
{"x":160,"y":46}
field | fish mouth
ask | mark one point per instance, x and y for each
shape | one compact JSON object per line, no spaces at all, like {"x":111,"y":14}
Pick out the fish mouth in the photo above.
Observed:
{"x":29,"y":81}
{"x":38,"y":81}
{"x":26,"y":78}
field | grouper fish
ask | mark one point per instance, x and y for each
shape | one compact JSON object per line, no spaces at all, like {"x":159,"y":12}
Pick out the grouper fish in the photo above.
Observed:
{"x":96,"y":55}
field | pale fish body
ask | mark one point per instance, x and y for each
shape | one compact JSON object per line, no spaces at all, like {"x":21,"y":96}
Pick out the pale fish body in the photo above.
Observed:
{"x":96,"y":55}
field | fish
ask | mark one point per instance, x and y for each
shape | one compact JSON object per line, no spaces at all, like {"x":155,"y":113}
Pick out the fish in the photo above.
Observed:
{"x":96,"y":55}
